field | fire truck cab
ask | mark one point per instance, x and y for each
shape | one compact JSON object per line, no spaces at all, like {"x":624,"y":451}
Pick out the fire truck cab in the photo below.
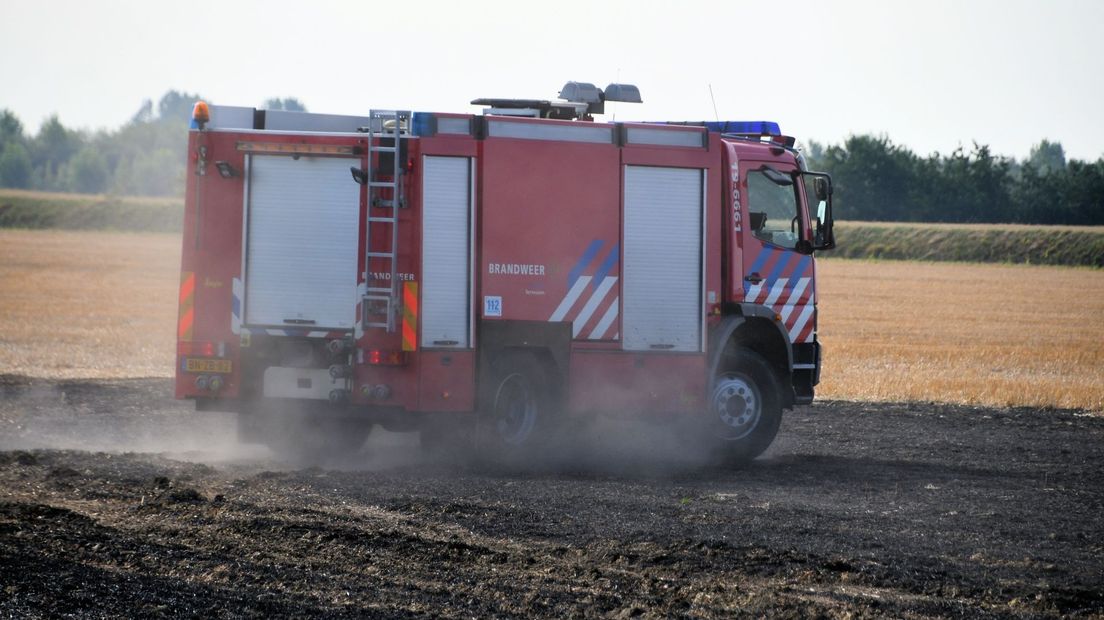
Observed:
{"x":504,"y":272}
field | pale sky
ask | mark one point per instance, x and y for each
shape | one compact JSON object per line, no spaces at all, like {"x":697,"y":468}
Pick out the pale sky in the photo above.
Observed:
{"x":931,"y":75}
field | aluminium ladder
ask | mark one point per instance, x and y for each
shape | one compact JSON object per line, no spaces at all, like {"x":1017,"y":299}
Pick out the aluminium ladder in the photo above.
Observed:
{"x":384,"y":125}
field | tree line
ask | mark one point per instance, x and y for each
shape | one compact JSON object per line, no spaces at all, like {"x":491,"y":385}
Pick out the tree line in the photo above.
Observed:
{"x":874,"y":178}
{"x":144,"y":157}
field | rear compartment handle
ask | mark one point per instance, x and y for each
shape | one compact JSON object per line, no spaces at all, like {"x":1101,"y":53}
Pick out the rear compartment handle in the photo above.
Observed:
{"x":661,"y":346}
{"x":299,"y":321}
{"x":446,"y":343}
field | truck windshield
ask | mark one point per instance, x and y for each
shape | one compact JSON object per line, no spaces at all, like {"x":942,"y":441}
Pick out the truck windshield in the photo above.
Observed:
{"x":773,"y":210}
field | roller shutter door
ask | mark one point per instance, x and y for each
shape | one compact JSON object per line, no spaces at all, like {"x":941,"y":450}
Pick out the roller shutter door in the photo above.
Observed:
{"x":301,"y":242}
{"x":446,"y":252}
{"x":662,"y":296}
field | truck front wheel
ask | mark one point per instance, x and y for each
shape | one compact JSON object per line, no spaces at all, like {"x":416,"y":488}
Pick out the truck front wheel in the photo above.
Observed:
{"x":745,"y":407}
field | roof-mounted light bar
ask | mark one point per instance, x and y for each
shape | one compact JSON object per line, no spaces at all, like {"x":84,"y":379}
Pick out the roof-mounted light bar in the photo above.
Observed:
{"x":743,"y":128}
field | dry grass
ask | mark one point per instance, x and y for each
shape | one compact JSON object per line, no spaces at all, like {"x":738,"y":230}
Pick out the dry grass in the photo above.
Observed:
{"x":974,"y":334}
{"x":96,"y":304}
{"x":88,"y":304}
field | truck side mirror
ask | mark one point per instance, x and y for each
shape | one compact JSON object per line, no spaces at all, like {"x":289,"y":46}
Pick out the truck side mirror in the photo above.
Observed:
{"x":823,"y":236}
{"x":822,"y":187}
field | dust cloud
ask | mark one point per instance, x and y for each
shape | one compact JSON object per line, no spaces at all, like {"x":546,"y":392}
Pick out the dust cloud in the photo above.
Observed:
{"x":140,"y":416}
{"x":132,"y":415}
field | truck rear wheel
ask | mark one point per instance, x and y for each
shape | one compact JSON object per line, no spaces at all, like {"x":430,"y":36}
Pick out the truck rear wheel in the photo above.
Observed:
{"x":745,"y":407}
{"x":517,"y":414}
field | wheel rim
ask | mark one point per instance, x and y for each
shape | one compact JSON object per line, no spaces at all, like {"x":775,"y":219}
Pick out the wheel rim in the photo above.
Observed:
{"x":737,"y":404}
{"x":515,"y":409}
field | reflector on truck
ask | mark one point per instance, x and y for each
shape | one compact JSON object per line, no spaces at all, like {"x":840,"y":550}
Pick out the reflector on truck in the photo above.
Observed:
{"x":186,"y":320}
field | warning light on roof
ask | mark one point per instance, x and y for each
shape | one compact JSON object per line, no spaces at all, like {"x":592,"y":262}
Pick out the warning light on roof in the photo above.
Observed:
{"x":739,"y":128}
{"x":760,"y":128}
{"x":201,"y":114}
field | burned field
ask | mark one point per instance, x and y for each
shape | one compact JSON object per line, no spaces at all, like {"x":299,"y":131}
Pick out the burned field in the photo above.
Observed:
{"x":867,"y":509}
{"x":117,"y":500}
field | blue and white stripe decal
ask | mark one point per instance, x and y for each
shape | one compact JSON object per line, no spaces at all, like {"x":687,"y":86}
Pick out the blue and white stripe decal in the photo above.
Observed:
{"x":593,"y":291}
{"x":236,"y":292}
{"x":788,"y":289}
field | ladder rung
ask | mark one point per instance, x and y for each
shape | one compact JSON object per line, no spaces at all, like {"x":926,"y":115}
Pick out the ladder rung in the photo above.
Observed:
{"x":378,"y":289}
{"x":381,"y":254}
{"x":389,"y":220}
{"x":390,"y":184}
{"x":382,"y":149}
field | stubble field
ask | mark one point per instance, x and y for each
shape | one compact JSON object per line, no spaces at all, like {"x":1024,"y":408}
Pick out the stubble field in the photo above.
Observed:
{"x":103,"y":305}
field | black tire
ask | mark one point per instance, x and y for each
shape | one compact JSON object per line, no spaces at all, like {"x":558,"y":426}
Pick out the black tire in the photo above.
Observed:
{"x":518,"y":410}
{"x":745,"y":407}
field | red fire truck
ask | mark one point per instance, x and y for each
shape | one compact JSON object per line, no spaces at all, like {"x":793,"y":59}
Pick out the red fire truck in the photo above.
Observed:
{"x":508,"y":272}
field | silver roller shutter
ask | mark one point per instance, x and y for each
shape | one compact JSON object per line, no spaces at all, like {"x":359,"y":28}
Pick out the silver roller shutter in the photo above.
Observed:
{"x":662,"y":294}
{"x":301,"y":242}
{"x":446,"y":251}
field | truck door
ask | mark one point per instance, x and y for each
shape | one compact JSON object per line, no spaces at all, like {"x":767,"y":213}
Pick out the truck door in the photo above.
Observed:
{"x":775,"y":273}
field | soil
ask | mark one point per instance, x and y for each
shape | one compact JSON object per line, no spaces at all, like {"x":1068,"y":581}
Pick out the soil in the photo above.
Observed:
{"x":116,"y":500}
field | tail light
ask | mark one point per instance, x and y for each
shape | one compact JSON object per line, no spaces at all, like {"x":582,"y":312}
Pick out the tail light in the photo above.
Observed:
{"x":379,"y":357}
{"x":201,"y":349}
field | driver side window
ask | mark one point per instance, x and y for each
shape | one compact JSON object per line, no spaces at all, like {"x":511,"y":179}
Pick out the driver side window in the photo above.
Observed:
{"x":772,"y":210}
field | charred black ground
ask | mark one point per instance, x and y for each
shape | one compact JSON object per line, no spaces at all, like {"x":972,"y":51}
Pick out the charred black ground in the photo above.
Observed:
{"x":862,"y":509}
